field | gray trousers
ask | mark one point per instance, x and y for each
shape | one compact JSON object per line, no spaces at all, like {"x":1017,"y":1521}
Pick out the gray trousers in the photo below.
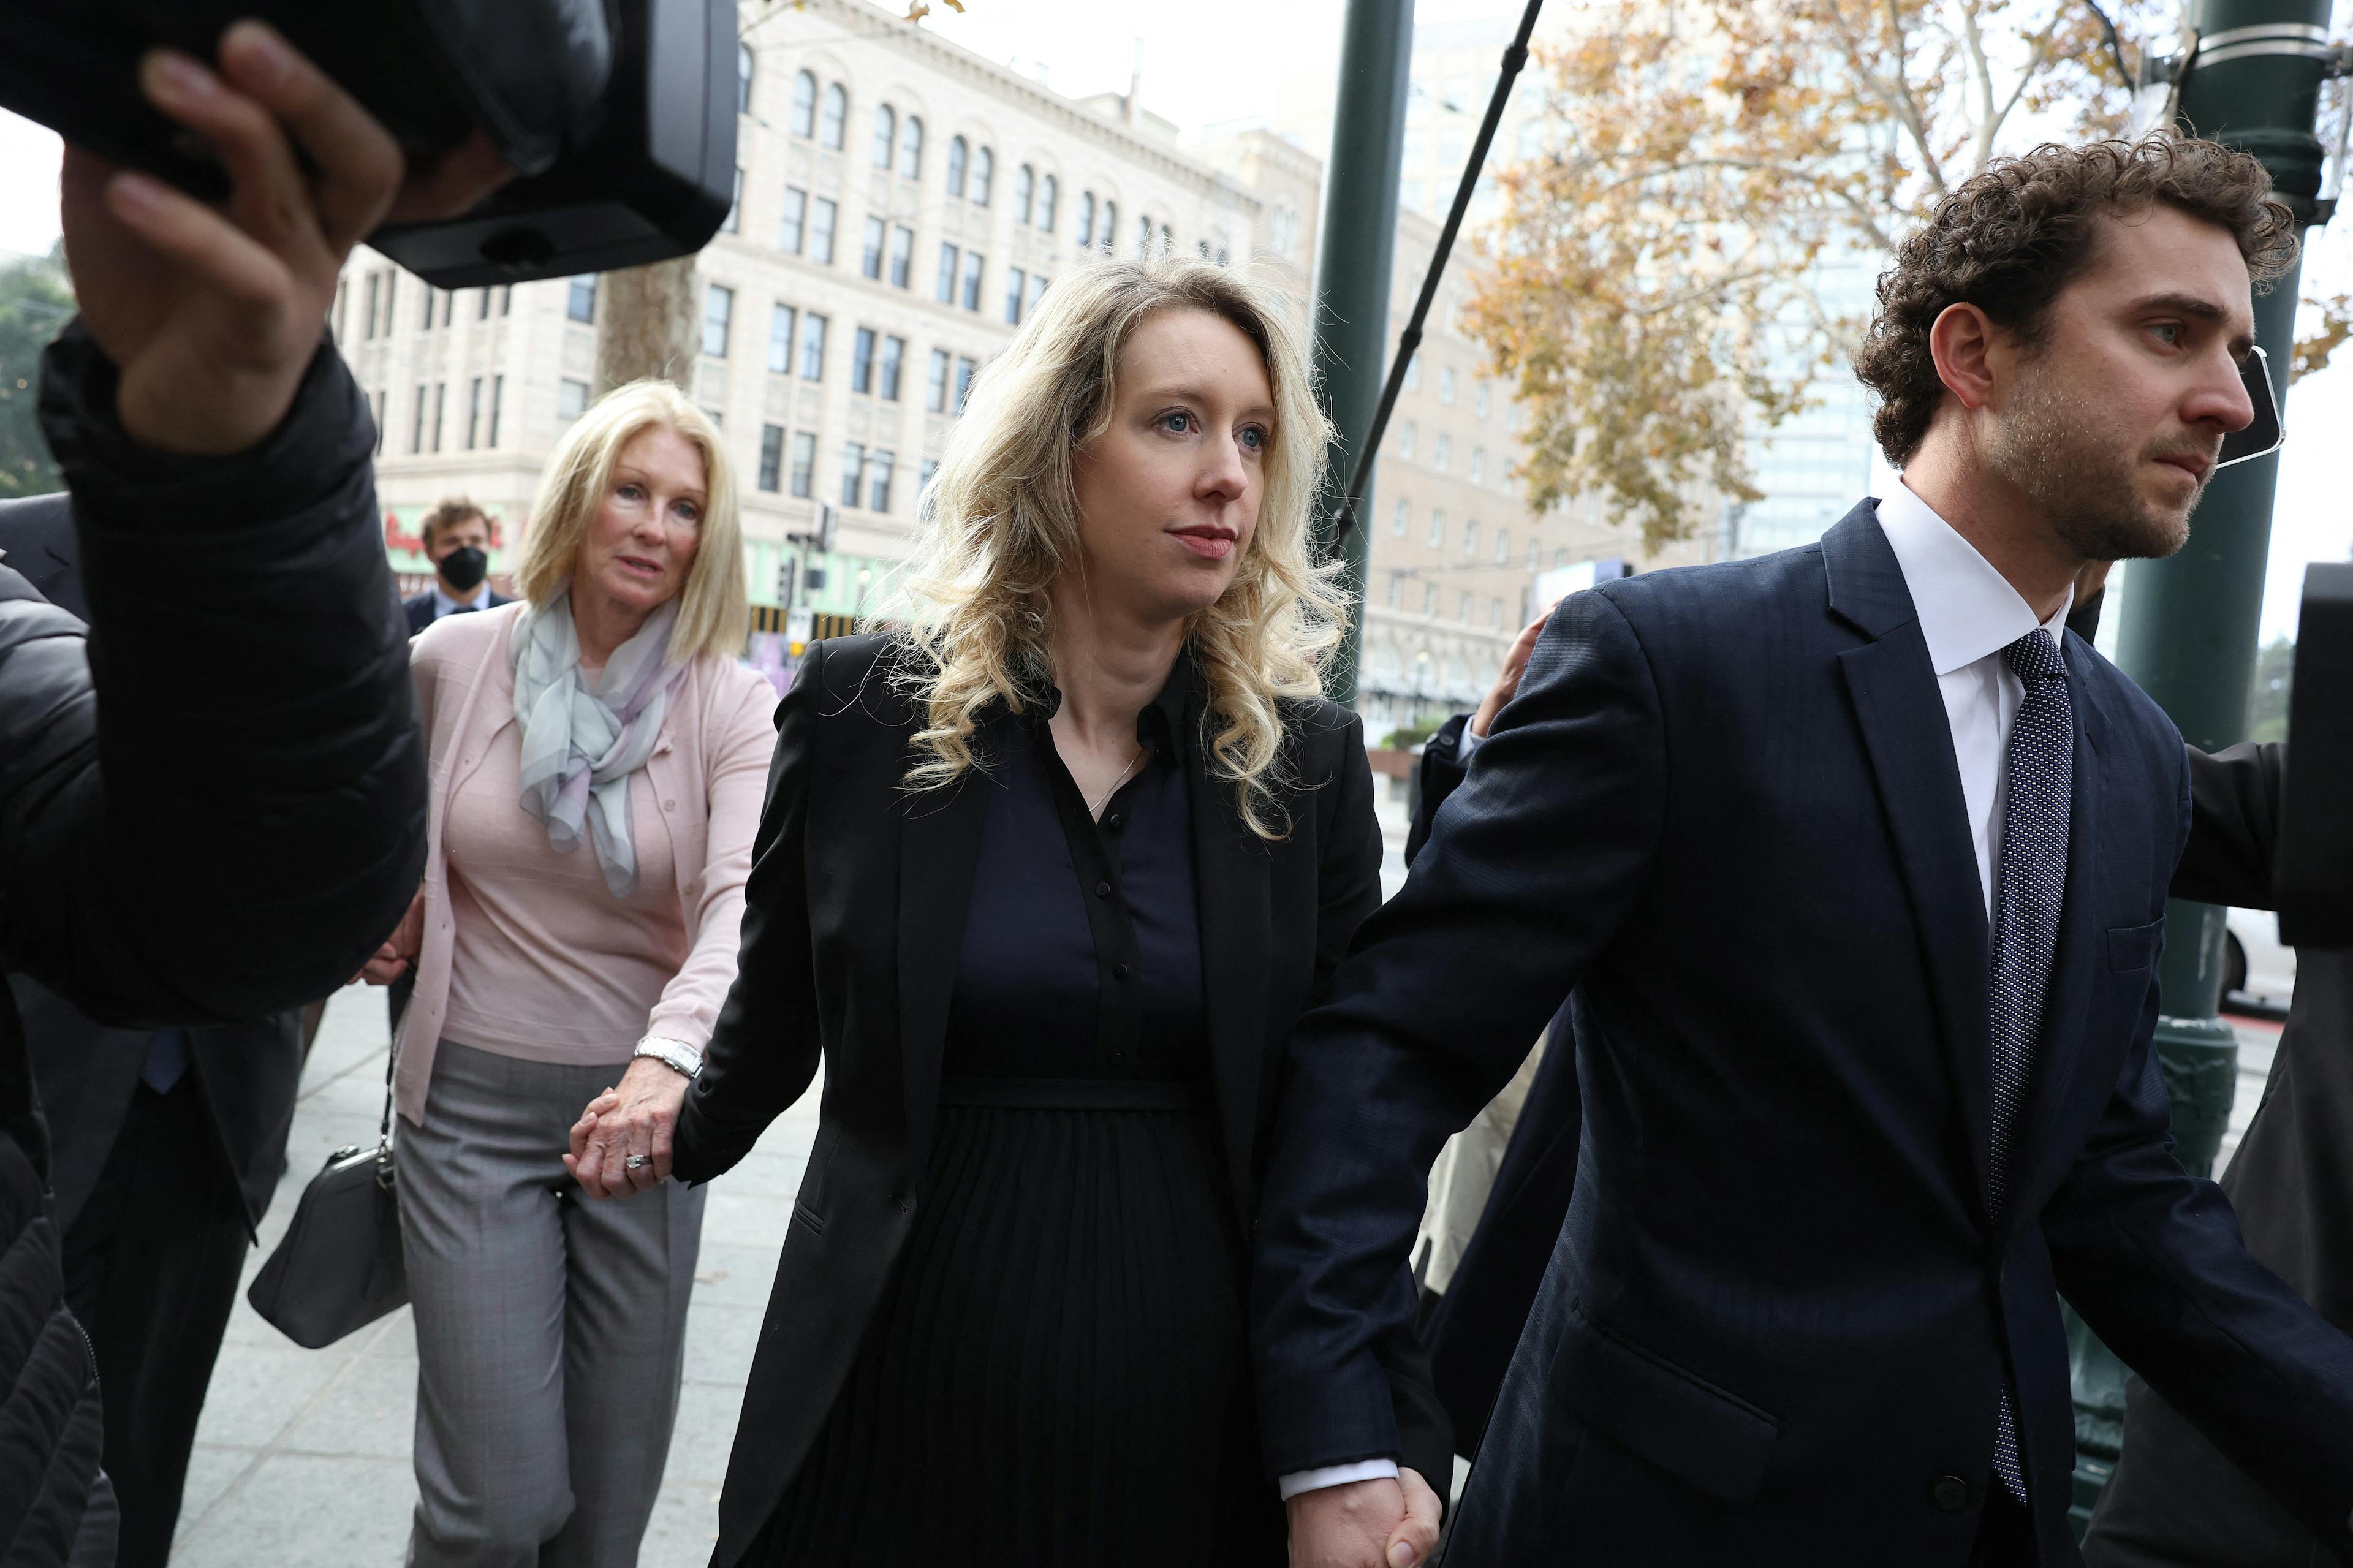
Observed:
{"x":550,"y":1329}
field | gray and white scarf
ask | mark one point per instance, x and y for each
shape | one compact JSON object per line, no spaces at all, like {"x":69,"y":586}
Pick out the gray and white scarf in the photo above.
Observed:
{"x":583,"y":737}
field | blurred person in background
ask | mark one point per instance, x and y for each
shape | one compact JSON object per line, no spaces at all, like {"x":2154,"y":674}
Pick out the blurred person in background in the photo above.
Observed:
{"x":598,"y":757}
{"x":1044,"y":880}
{"x":173,"y":850}
{"x":457,"y":540}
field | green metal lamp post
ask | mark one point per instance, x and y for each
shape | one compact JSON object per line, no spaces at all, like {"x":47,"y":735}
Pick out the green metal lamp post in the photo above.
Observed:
{"x":2188,"y":628}
{"x":1356,"y":247}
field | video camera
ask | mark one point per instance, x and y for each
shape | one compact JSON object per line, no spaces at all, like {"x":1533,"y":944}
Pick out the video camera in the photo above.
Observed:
{"x":619,"y":115}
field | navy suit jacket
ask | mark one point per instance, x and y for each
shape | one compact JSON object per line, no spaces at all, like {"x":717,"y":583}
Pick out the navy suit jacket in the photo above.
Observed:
{"x":1724,"y":810}
{"x":418,"y":607}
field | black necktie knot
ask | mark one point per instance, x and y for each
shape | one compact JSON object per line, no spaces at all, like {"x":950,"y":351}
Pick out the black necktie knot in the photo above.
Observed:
{"x":2035,"y":656}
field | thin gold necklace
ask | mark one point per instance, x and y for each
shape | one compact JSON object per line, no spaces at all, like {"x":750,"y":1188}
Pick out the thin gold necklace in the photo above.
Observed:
{"x":1096,"y":809}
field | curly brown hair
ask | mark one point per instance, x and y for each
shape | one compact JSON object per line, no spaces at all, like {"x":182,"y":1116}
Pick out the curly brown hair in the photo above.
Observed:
{"x":2011,"y":237}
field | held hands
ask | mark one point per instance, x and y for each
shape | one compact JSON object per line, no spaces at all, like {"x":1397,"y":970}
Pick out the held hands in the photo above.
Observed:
{"x":1507,"y":684}
{"x":399,"y":950}
{"x":212,"y":314}
{"x":635,"y":1119}
{"x":1365,"y":1524}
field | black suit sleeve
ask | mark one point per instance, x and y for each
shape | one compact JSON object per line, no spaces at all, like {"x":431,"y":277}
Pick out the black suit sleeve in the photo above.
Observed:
{"x":2154,"y":1261}
{"x":1442,"y":769}
{"x":2234,"y":800}
{"x":765,"y":1049}
{"x":1529,"y":876}
{"x":218,"y":810}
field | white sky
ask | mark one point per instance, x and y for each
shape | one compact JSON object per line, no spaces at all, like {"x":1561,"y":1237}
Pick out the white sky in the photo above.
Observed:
{"x":1215,"y":60}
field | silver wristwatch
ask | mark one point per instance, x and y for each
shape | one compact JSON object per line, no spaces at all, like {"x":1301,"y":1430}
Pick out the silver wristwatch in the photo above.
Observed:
{"x":675,"y":1055}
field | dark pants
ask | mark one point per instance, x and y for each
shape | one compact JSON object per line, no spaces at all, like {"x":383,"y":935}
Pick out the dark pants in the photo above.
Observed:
{"x":2176,"y":1502}
{"x":2005,"y":1533}
{"x":151,"y":1269}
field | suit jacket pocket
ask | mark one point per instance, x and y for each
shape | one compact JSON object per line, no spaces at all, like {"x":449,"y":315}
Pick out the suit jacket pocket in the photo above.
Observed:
{"x":2136,"y":947}
{"x":1712,"y":1440}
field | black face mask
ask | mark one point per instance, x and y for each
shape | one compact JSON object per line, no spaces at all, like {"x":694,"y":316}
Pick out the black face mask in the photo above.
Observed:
{"x":463,"y":568}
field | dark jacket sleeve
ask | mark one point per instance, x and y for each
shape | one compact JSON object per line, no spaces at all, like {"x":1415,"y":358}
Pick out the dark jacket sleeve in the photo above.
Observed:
{"x":2235,"y":806}
{"x":1443,"y":767}
{"x":215,"y":807}
{"x":1432,"y":1013}
{"x":765,"y":1050}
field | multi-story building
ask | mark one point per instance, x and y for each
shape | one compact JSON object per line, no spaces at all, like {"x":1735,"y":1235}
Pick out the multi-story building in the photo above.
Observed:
{"x":903,"y":204}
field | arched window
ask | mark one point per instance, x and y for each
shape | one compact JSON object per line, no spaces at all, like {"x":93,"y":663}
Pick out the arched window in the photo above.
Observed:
{"x":1167,"y":241}
{"x":886,"y":134}
{"x":743,"y":79}
{"x":804,"y":104}
{"x":1025,"y":187}
{"x":1050,"y":195}
{"x":984,"y":175}
{"x":1110,"y":224}
{"x":959,"y":150}
{"x":911,"y":148}
{"x":1144,"y":236}
{"x":833,"y":124}
{"x":1086,"y":220}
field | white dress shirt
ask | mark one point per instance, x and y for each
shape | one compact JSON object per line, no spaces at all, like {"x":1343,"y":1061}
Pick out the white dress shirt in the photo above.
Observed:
{"x":443,"y":605}
{"x":1969,"y":613}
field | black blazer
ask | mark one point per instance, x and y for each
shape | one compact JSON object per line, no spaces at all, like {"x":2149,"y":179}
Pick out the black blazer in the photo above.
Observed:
{"x":418,"y":607}
{"x":853,"y":920}
{"x":1725,"y":808}
{"x":86,"y":1071}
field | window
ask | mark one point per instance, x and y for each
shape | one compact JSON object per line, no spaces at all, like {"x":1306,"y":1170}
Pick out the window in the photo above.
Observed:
{"x":375,"y":417}
{"x":1395,"y":580}
{"x":1109,"y":222}
{"x":894,"y":354}
{"x":1495,"y":614}
{"x":984,"y":175}
{"x":1446,"y":385}
{"x":733,"y":222}
{"x":1405,"y":433}
{"x":853,"y":466}
{"x":780,"y":338}
{"x":861,"y":359}
{"x":788,"y":231}
{"x":1437,"y":527}
{"x":869,"y":260}
{"x":903,"y":257}
{"x":482,"y":301}
{"x":392,"y":301}
{"x":1442,"y":452}
{"x":1037,"y":289}
{"x":579,"y":303}
{"x":571,"y":400}
{"x":1503,"y":547}
{"x":1560,"y":557}
{"x":972,"y":267}
{"x":804,"y":122}
{"x":812,"y":346}
{"x":911,"y":148}
{"x":718,"y":311}
{"x":804,"y":469}
{"x":1025,"y":187}
{"x":772,"y":457}
{"x":440,"y":400}
{"x":947,"y":274}
{"x":474,"y":411}
{"x":886,"y":134}
{"x":743,"y":79}
{"x":498,"y":399}
{"x":1404,"y":518}
{"x":1478,"y":401}
{"x":1462,"y":606}
{"x":964,"y":369}
{"x":1086,"y":220}
{"x":1413,"y":373}
{"x":924,"y":476}
{"x":1050,"y":197}
{"x":367,"y":322}
{"x":959,"y":151}
{"x":878,"y":481}
{"x":1144,"y":236}
{"x":833,"y":122}
{"x":1165,"y":241}
{"x":825,"y":214}
{"x":416,"y":422}
{"x":1478,"y":465}
{"x":935,"y":384}
{"x":1470,"y":537}
{"x":1430,"y":598}
{"x":1016,"y":281}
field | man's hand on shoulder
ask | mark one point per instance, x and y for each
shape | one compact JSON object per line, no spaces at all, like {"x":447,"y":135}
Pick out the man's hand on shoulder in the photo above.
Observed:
{"x":1378,"y":1523}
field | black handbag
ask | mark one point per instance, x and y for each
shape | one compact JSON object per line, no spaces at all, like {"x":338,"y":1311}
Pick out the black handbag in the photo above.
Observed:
{"x":339,"y":1267}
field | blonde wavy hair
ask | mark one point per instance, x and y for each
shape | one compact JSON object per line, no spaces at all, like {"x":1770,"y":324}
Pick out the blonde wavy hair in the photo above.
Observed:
{"x":714,"y":612}
{"x":1001,"y":520}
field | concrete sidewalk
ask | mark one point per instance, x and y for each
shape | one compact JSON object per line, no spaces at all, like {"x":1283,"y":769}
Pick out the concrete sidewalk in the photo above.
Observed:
{"x":301,"y":1460}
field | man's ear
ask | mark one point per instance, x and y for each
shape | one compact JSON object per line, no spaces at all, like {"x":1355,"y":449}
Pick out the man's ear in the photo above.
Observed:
{"x":1966,"y":345}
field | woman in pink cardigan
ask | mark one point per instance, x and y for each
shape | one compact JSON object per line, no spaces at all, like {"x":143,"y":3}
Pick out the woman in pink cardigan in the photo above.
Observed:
{"x":597,"y":762}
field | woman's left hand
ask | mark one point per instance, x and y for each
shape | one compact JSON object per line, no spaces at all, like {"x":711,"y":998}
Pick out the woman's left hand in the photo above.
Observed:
{"x":635,"y":1119}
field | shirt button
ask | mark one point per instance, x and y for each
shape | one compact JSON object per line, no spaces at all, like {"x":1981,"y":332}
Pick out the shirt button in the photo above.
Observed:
{"x":1949,"y":1493}
{"x":1103,"y":889}
{"x":1119,"y":971}
{"x":670,"y":805}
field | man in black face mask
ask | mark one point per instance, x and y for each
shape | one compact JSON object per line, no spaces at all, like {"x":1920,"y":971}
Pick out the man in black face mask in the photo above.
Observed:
{"x":457,"y":541}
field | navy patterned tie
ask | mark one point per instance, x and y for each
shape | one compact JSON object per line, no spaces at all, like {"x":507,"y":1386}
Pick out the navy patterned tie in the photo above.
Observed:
{"x":2038,"y":777}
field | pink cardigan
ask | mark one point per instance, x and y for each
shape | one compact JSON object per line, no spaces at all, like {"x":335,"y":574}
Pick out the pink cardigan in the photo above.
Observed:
{"x":712,"y":758}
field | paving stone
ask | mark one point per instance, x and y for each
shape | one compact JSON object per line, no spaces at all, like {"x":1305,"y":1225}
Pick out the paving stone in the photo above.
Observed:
{"x":305,"y":1510}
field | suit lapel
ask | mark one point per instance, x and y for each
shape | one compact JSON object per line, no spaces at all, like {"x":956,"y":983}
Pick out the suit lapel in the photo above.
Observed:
{"x":1910,"y":746}
{"x":1232,"y":871}
{"x":939,"y":848}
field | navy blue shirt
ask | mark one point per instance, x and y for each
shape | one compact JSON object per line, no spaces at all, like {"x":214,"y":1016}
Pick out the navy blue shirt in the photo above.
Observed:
{"x":1082,"y":945}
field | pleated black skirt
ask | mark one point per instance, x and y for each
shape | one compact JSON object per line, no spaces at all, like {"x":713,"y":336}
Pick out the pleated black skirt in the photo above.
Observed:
{"x":1058,"y":1374}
